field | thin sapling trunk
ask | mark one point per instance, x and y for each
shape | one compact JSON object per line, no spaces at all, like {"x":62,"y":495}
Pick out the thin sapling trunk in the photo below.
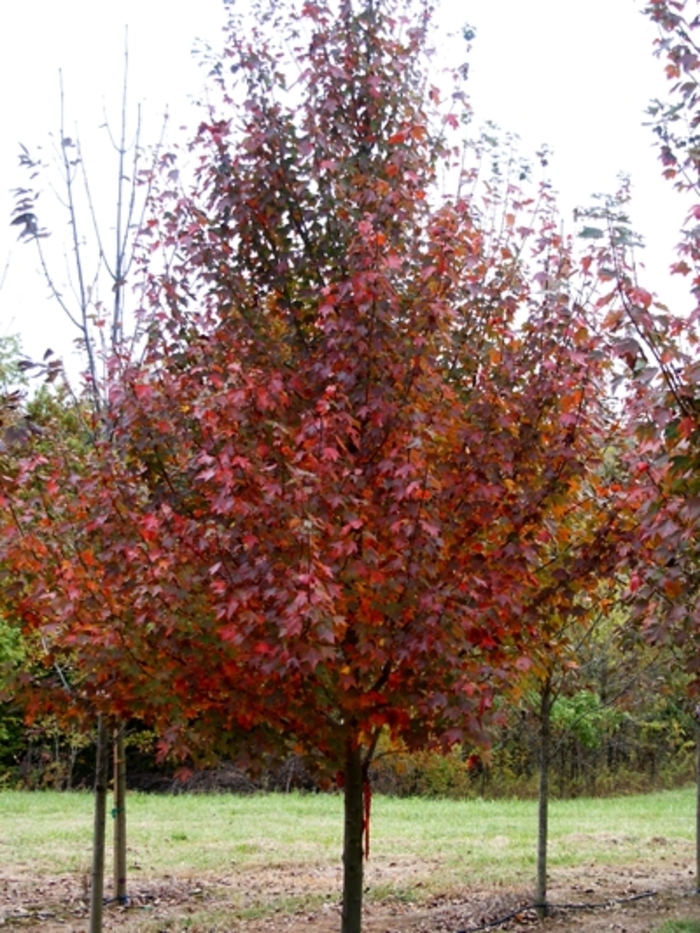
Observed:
{"x":119,"y":814}
{"x":543,"y":799}
{"x":697,"y":799}
{"x":352,"y":842}
{"x":98,"y":838}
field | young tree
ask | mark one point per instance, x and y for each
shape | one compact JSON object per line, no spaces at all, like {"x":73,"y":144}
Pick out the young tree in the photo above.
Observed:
{"x":659,"y":349}
{"x":316,"y":513}
{"x":91,"y":292}
{"x":580,"y":553}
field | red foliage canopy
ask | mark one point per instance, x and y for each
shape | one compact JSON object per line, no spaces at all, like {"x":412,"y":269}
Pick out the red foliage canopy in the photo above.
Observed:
{"x":318,"y":508}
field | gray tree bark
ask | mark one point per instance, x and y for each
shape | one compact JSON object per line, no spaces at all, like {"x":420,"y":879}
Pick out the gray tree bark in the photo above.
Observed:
{"x":99,"y":829}
{"x":543,"y":799}
{"x":697,"y":800}
{"x":119,"y":814}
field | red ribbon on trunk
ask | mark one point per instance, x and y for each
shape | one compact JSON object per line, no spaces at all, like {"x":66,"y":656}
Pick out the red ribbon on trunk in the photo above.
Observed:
{"x":367,"y":810}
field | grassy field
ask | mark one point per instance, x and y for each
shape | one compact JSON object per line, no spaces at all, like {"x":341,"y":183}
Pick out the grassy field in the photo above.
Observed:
{"x":183,"y":836}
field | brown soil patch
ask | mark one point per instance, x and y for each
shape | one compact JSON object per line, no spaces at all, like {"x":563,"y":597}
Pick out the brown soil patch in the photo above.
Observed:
{"x":302,"y":899}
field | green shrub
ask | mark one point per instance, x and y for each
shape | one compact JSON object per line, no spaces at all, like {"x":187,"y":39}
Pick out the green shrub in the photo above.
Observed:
{"x":422,"y":774}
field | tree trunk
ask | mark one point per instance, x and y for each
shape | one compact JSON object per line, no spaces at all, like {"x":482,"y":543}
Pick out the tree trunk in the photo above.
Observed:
{"x":119,"y":814}
{"x":352,"y":841}
{"x":697,"y":799}
{"x":543,"y":799}
{"x":98,"y":837}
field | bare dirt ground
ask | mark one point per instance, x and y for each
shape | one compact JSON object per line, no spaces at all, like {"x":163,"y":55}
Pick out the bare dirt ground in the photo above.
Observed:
{"x":634,"y":899}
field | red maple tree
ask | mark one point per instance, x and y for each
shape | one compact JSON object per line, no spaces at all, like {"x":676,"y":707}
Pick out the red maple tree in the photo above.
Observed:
{"x":659,"y":350}
{"x":328,"y":481}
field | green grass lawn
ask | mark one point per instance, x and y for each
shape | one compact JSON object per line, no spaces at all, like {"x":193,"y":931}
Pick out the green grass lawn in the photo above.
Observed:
{"x":208,"y":860}
{"x":489,"y":839}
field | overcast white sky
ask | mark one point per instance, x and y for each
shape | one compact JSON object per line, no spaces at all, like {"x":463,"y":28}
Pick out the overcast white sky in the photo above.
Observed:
{"x":576,"y":75}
